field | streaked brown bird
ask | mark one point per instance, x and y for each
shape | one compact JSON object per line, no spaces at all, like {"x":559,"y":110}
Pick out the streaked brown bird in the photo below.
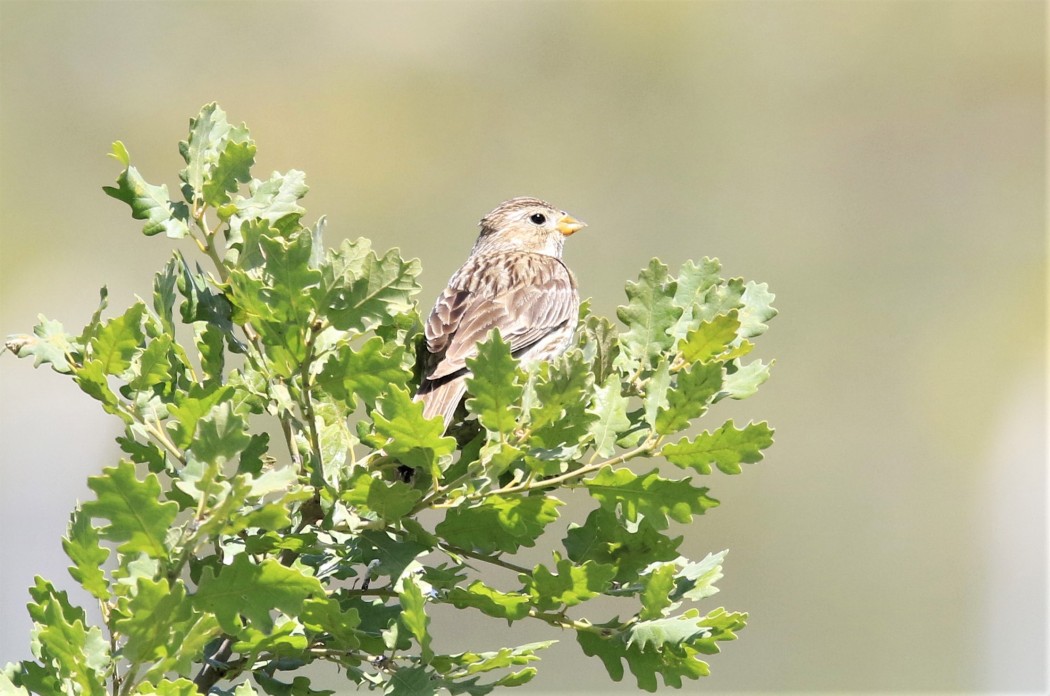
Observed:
{"x":514,"y":281}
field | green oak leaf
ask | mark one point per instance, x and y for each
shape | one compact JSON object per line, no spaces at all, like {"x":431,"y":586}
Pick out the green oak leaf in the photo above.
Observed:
{"x":393,"y":554}
{"x":133,"y":508}
{"x":220,"y":435}
{"x":700,"y":633}
{"x":411,"y":681}
{"x":153,"y":365}
{"x":695,"y":580}
{"x":49,"y":344}
{"x":253,"y":590}
{"x":610,"y":409}
{"x":657,"y":586}
{"x":201,"y":150}
{"x":365,"y":373}
{"x":78,"y":654}
{"x":164,"y":292}
{"x":376,"y":618}
{"x":694,"y":281}
{"x":11,"y":689}
{"x":154,"y":622}
{"x":499,"y":523}
{"x":284,"y":640}
{"x":570,"y":585}
{"x":600,"y":345}
{"x":190,"y":407}
{"x":726,"y":448}
{"x":218,"y":157}
{"x":502,"y":605}
{"x":414,"y":617}
{"x":672,"y":662}
{"x":650,"y":314}
{"x":274,"y":202}
{"x":279,"y":297}
{"x":561,"y":416}
{"x":212,"y":352}
{"x":710,"y":339}
{"x":325,"y":615}
{"x":745,"y":380}
{"x":695,"y":387}
{"x":116,"y":341}
{"x":91,"y":378}
{"x":202,"y":302}
{"x":495,"y":385}
{"x":404,"y":434}
{"x":476,"y":663}
{"x":390,"y":500}
{"x":147,"y":202}
{"x":757,"y":309}
{"x":179,"y":687}
{"x":362,"y":290}
{"x":82,"y":546}
{"x":650,"y":496}
{"x":628,"y":547}
{"x":656,"y":389}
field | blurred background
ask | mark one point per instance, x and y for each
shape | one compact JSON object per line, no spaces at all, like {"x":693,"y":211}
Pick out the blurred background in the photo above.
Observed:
{"x":882,"y":165}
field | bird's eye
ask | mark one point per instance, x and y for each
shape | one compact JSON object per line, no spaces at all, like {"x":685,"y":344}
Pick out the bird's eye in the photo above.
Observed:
{"x":538,"y":218}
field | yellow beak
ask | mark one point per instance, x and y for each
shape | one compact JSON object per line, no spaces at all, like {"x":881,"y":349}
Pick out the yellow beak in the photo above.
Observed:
{"x":568,"y":225}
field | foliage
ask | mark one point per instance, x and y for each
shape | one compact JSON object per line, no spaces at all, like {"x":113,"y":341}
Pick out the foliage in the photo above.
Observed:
{"x":218,"y":558}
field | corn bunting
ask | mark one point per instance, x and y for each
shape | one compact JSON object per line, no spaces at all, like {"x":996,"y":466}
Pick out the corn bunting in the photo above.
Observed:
{"x":514,"y":281}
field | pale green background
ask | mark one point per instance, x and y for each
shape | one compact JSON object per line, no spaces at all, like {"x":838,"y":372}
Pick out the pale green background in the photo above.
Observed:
{"x":880,"y":164}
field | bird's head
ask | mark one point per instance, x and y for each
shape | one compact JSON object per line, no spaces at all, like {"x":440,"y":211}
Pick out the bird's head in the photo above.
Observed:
{"x":526,"y":224}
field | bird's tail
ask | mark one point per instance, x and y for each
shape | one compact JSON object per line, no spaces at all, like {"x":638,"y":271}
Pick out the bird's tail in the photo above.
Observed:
{"x":442,"y":399}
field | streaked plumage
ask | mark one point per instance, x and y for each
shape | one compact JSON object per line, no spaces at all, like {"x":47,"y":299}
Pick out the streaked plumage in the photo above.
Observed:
{"x":514,"y":280}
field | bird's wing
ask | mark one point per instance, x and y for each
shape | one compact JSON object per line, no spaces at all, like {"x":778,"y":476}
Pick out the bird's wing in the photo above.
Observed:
{"x":525,"y":306}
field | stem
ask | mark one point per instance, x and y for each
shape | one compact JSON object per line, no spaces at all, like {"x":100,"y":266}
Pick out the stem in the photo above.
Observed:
{"x":650,"y":444}
{"x":562,"y":621}
{"x":211,"y":673}
{"x":307,"y":406}
{"x":129,"y":680}
{"x":494,"y":560}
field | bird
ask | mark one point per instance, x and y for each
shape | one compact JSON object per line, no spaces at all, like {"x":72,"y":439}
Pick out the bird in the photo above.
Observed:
{"x":514,"y":280}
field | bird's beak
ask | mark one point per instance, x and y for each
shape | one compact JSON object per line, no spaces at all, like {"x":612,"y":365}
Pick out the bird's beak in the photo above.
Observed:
{"x":568,"y":225}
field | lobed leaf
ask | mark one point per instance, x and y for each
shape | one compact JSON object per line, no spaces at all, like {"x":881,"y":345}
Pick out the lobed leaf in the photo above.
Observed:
{"x":726,"y":448}
{"x":650,"y":314}
{"x":49,"y":344}
{"x":147,"y":202}
{"x":253,"y":590}
{"x":501,"y":605}
{"x":495,"y":385}
{"x":499,"y":523}
{"x":275,"y":202}
{"x":710,"y":339}
{"x":572,"y":584}
{"x":746,"y":379}
{"x":610,"y":410}
{"x":133,"y":509}
{"x":560,"y":416}
{"x":414,"y":618}
{"x":757,"y":309}
{"x":82,"y":546}
{"x":389,"y":500}
{"x":628,"y":547}
{"x":75,"y":654}
{"x":366,"y":373}
{"x":694,"y":282}
{"x":650,"y":496}
{"x":694,"y":389}
{"x":404,"y":434}
{"x":363,"y":290}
